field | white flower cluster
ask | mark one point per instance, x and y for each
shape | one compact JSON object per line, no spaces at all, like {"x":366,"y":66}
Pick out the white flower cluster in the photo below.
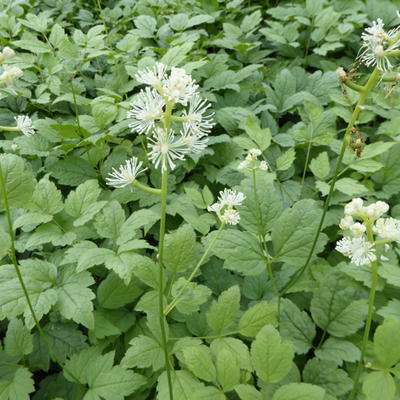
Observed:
{"x":226,"y":201}
{"x":377,"y":45}
{"x":149,"y":111}
{"x":127,"y":173}
{"x":9,"y":73}
{"x":25,"y":125}
{"x":252,"y":156}
{"x":357,"y":247}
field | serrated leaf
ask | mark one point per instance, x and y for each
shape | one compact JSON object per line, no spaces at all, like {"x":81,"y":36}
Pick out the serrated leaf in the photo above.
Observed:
{"x":18,"y":181}
{"x":379,"y":385}
{"x":113,"y":293}
{"x":192,"y":297}
{"x":72,"y":171}
{"x":39,"y":277}
{"x":241,"y":252}
{"x":248,"y":392}
{"x":181,"y":250}
{"x":184,"y":384}
{"x":105,"y":381}
{"x":109,"y":221}
{"x":333,"y":307}
{"x":18,"y":340}
{"x":256,"y":317}
{"x":350,"y":187}
{"x":326,"y":374}
{"x":286,"y":159}
{"x":262,"y":137}
{"x":5,"y":243}
{"x":320,"y":166}
{"x":271,"y":358}
{"x":15,"y":383}
{"x":299,"y":391}
{"x":297,"y":327}
{"x":269,"y":203}
{"x":228,"y":371}
{"x":144,"y":352}
{"x":294,"y":231}
{"x":198,"y":361}
{"x":338,"y":351}
{"x":236,"y":347}
{"x":46,"y":198}
{"x":386,"y":342}
{"x":222,"y":313}
{"x":74,"y":297}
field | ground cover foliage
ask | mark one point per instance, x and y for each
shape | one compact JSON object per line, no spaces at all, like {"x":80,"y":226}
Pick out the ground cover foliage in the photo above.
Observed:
{"x":252,"y":323}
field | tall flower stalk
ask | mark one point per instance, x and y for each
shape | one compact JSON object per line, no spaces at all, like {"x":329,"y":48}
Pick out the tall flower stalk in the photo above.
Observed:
{"x":361,"y":246}
{"x":157,"y":112}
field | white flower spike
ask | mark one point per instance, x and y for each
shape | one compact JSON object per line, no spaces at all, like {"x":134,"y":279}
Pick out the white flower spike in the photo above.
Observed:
{"x":25,"y":125}
{"x":127,"y":173}
{"x":147,"y":109}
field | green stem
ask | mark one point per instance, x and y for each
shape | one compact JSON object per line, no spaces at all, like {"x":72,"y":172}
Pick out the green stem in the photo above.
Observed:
{"x":76,"y":107}
{"x":261,"y":238}
{"x":305,"y":167}
{"x":374,"y":268}
{"x":161,"y":279}
{"x":354,"y":86}
{"x":22,"y":283}
{"x":9,"y":128}
{"x":193,"y":274}
{"x":146,"y":188}
{"x":373,"y":79}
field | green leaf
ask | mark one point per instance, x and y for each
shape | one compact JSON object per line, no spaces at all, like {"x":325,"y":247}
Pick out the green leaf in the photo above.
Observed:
{"x":208,"y":393}
{"x":181,"y":250}
{"x":256,"y":317}
{"x":228,"y":371}
{"x":5,"y":243}
{"x":262,"y":137}
{"x":299,"y":391}
{"x":271,"y":358}
{"x":72,"y":171}
{"x":333,"y":307}
{"x":236,"y":347}
{"x":18,"y":340}
{"x":248,"y":392}
{"x":18,"y":181}
{"x":82,"y":205}
{"x":113,"y":293}
{"x":326,"y":374}
{"x":74,"y":297}
{"x":184,"y":385}
{"x":104,"y":380}
{"x":144,"y":352}
{"x":338,"y":351}
{"x":379,"y":385}
{"x":46,"y":198}
{"x":320,"y":166}
{"x":387,"y":343}
{"x":175,"y":55}
{"x":223,"y":313}
{"x":146,"y":25}
{"x":294,"y":231}
{"x":104,"y":110}
{"x":192,"y":297}
{"x":269,"y":203}
{"x":285,"y":160}
{"x":198,"y":361}
{"x":109,"y":221}
{"x":240,"y":250}
{"x":15,"y":383}
{"x":39,"y":277}
{"x":297,"y":326}
{"x":350,"y":187}
{"x":64,"y":338}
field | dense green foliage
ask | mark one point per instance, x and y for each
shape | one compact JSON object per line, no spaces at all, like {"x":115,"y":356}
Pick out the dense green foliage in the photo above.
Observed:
{"x":88,"y":253}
